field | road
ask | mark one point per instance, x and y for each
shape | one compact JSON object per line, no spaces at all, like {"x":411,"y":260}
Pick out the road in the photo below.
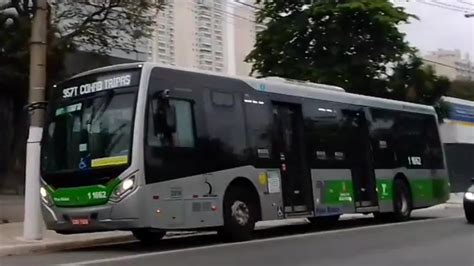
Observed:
{"x":433,"y":237}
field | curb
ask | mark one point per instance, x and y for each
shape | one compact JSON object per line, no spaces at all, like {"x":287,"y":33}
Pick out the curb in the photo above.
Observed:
{"x":33,"y":247}
{"x":38,"y":246}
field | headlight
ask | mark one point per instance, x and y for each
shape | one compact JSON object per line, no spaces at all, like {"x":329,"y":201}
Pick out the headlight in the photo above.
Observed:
{"x":469,"y":196}
{"x":123,"y":188}
{"x":45,"y":197}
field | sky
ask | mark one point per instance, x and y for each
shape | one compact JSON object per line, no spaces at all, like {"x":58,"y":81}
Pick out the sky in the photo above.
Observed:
{"x":439,"y":25}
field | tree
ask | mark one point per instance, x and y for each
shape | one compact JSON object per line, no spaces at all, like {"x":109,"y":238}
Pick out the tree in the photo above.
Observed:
{"x":103,"y":25}
{"x":463,"y":89}
{"x":345,"y":43}
{"x":415,"y":82}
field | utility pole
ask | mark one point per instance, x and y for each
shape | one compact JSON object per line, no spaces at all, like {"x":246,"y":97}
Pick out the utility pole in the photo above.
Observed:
{"x":33,"y":224}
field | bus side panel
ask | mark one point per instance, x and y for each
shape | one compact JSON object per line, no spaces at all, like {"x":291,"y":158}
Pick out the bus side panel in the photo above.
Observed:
{"x":428,"y":186}
{"x":332,"y":191}
{"x":384,"y":179}
{"x":173,"y":204}
{"x":196,"y":201}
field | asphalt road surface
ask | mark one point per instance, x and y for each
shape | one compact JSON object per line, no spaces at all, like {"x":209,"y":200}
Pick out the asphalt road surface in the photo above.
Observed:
{"x":433,"y":237}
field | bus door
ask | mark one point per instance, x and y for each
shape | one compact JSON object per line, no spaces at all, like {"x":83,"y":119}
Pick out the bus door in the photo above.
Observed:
{"x":359,"y":152}
{"x":288,"y":149}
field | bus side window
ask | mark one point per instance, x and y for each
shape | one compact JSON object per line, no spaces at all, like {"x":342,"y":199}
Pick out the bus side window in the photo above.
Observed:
{"x":432,"y":150}
{"x":326,"y":135}
{"x":170,"y":123}
{"x":409,"y":140}
{"x":381,"y":133}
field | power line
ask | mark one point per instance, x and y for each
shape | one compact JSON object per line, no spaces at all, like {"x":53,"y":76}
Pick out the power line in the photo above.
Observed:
{"x":453,"y":6}
{"x":443,"y":64}
{"x":466,"y":3}
{"x":435,"y":4}
{"x":245,"y":4}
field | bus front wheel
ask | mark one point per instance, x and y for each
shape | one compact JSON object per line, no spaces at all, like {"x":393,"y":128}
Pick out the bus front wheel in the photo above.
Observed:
{"x":240,"y":209}
{"x":148,"y":237}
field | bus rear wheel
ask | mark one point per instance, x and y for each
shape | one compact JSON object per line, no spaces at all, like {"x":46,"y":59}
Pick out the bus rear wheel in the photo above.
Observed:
{"x":147,"y":237}
{"x":240,"y":212}
{"x":402,"y":203}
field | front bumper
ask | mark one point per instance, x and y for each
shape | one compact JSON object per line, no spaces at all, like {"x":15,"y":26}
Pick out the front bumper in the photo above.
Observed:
{"x":123,"y":215}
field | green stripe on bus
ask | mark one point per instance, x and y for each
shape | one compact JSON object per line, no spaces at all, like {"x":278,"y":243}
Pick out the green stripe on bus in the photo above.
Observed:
{"x":341,"y":191}
{"x":338,"y":192}
{"x":426,"y":189}
{"x":83,"y":196}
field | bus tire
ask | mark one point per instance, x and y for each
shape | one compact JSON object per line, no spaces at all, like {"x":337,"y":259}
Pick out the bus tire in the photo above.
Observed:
{"x":324,"y":221}
{"x":147,"y":237}
{"x":402,"y":203}
{"x":240,"y":215}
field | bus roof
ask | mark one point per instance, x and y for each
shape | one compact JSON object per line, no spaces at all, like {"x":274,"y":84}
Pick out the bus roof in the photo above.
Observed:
{"x":289,"y":87}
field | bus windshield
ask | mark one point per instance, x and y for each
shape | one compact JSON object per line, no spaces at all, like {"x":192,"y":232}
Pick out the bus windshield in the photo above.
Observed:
{"x":91,"y":133}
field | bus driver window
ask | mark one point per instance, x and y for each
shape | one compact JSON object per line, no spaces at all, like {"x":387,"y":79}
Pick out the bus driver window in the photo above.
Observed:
{"x":164,"y":121}
{"x":171,"y":122}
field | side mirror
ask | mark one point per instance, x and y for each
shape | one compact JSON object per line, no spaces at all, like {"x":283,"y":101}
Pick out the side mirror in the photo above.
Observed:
{"x":472,"y":180}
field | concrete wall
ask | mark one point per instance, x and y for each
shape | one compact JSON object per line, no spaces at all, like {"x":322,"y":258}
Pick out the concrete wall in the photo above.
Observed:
{"x":457,"y":134}
{"x":460,"y":165}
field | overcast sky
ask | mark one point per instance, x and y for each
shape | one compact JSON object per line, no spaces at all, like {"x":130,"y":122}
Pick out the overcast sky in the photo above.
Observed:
{"x":440,"y":26}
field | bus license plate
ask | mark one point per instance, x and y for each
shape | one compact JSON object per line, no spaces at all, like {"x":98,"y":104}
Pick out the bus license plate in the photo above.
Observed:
{"x":80,"y":221}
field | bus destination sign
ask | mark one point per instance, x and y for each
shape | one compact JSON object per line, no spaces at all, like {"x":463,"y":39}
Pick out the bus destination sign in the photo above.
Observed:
{"x":114,"y":82}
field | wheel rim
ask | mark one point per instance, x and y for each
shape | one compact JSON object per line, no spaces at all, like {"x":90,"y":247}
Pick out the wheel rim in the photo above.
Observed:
{"x":240,"y":212}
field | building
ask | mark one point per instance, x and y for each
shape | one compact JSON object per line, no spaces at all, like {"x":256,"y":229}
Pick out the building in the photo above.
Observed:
{"x":192,"y":33}
{"x":457,"y":134}
{"x":244,"y":35}
{"x":245,"y":32}
{"x":451,"y":64}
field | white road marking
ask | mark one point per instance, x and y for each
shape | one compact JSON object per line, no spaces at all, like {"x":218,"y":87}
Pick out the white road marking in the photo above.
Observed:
{"x":158,"y":253}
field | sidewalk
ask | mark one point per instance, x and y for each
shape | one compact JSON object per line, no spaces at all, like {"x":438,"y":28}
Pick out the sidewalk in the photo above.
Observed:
{"x":455,"y":198}
{"x":11,"y":208}
{"x":11,"y":242}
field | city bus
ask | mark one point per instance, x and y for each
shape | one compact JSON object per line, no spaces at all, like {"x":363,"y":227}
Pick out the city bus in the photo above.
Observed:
{"x":149,"y":148}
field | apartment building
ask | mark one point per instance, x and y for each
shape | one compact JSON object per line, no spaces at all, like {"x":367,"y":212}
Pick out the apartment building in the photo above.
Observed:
{"x":451,"y":63}
{"x":245,"y":33}
{"x":244,"y":36}
{"x":192,"y":33}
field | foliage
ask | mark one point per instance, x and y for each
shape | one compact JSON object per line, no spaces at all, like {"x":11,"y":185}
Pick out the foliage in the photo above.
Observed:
{"x":415,"y":82}
{"x":103,"y":25}
{"x":354,"y":44}
{"x":345,"y":43}
{"x":463,"y":89}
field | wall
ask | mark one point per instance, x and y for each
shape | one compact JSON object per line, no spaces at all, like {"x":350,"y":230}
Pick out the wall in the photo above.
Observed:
{"x":457,"y":134}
